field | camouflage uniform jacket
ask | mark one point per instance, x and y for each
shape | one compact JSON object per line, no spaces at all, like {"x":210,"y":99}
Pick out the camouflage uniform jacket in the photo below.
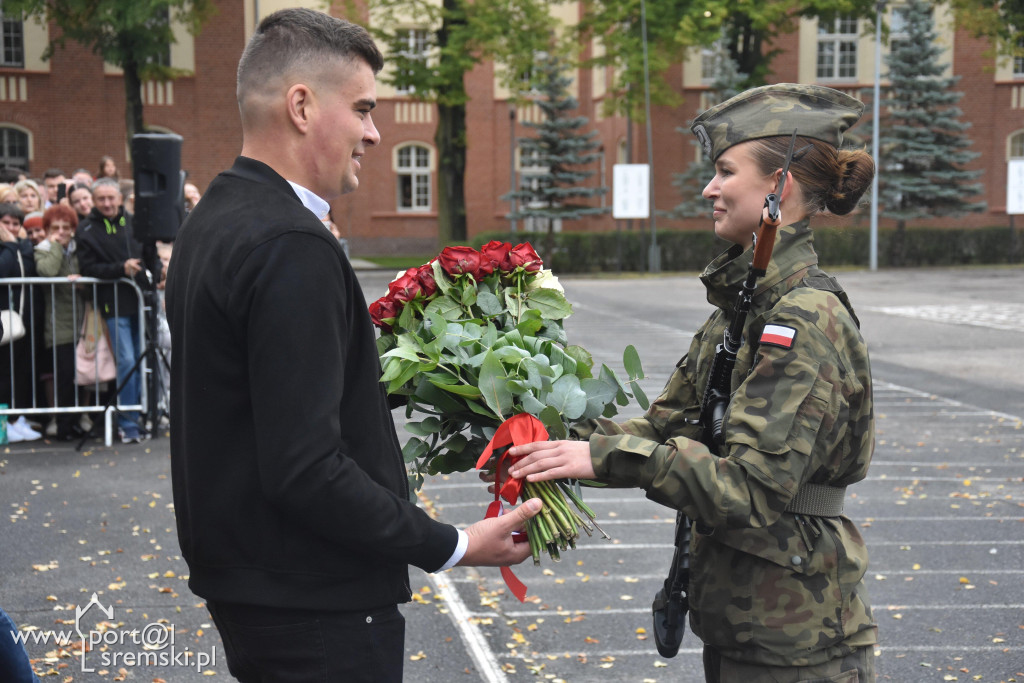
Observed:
{"x":766,"y":586}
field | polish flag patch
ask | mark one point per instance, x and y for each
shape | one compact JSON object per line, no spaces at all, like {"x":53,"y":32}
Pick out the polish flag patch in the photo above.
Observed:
{"x":778,"y":335}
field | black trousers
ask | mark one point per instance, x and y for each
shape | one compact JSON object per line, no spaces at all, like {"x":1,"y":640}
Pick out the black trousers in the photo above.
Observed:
{"x":272,"y":645}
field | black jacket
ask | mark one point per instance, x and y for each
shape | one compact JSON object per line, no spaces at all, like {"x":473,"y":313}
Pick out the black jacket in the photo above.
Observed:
{"x":289,"y":483}
{"x":104,"y":244}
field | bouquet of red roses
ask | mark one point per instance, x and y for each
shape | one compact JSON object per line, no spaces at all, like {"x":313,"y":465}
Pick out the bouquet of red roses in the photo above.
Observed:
{"x":473,"y":339}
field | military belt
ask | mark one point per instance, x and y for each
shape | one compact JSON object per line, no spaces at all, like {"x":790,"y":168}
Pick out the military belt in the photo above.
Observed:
{"x":818,"y":500}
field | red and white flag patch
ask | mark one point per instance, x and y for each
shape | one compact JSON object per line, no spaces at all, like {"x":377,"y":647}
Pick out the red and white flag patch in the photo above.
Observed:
{"x":778,"y":335}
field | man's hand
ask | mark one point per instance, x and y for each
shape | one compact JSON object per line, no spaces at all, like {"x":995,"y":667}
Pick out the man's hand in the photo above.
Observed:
{"x":132,"y":266}
{"x":543,"y":460}
{"x":490,"y":540}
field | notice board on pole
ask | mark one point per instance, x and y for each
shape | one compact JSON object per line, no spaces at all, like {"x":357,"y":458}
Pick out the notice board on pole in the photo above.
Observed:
{"x":631,"y":191}
{"x":1015,"y":186}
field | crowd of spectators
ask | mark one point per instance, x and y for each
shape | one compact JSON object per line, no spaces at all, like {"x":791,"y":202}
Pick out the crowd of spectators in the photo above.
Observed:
{"x":68,"y":227}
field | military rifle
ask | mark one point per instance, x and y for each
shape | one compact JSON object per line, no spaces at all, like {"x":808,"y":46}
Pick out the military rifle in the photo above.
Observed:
{"x":671,"y":603}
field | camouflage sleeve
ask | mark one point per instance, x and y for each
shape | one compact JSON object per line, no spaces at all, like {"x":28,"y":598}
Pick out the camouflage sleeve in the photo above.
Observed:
{"x":772,"y":428}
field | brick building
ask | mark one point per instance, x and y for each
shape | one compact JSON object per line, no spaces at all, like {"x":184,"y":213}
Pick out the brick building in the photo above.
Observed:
{"x":69,"y":111}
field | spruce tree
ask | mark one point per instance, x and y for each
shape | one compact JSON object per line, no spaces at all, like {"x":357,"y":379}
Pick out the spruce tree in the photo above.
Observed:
{"x":922,"y":141}
{"x":560,"y":149}
{"x":728,"y":81}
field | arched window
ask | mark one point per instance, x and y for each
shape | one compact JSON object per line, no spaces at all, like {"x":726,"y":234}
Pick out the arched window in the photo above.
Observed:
{"x":14,"y":149}
{"x":413,"y":168}
{"x":1017,"y":145}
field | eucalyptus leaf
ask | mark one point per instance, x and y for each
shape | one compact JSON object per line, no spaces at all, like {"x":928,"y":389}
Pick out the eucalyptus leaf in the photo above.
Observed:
{"x":489,"y":304}
{"x":631,"y":362}
{"x":551,"y":303}
{"x":445,"y":307}
{"x":584,"y":361}
{"x":600,"y":395}
{"x":553,"y":422}
{"x":532,"y":405}
{"x":639,"y":395}
{"x":492,"y":385}
{"x":414,"y":448}
{"x":460,"y":390}
{"x":426,"y":427}
{"x":567,"y":397}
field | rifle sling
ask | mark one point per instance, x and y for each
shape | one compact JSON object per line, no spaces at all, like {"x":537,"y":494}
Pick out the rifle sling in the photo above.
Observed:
{"x":818,"y":500}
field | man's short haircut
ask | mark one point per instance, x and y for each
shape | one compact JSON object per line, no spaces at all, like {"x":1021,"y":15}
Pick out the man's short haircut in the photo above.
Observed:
{"x":53,"y":173}
{"x":301,"y":39}
{"x":8,"y":209}
{"x":106,"y":182}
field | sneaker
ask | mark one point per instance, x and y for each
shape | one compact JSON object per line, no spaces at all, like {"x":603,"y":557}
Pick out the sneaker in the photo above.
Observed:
{"x":134,"y":438}
{"x":22,"y":431}
{"x":85,"y":423}
{"x":51,"y":428}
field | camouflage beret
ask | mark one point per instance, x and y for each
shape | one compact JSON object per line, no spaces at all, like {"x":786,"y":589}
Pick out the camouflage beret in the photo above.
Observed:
{"x":814,"y":111}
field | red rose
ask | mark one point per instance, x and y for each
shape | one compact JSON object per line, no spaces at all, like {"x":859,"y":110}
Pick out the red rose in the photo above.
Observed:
{"x":523,"y":255}
{"x":497,"y":253}
{"x":384,"y":308}
{"x":405,"y":287}
{"x":425,"y":274}
{"x":461,"y":260}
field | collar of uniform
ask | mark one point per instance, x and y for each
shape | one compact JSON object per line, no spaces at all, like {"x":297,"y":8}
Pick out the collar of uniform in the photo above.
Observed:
{"x":793,"y":251}
{"x":311,"y":201}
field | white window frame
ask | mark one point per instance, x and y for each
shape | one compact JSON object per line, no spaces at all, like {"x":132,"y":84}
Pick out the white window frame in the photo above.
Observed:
{"x":416,"y":41}
{"x":1018,"y":62}
{"x":1016,"y":145}
{"x":6,"y":158}
{"x":838,"y":40}
{"x":413,"y":176}
{"x":12,"y":40}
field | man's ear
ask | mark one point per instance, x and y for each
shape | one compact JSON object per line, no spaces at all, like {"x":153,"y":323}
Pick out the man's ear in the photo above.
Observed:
{"x":300,"y":104}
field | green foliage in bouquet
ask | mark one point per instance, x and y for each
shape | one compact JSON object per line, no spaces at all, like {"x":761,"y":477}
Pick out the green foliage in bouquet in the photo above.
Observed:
{"x":475,"y":337}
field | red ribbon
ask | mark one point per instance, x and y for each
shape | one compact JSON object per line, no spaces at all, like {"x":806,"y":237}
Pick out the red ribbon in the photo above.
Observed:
{"x":517,"y":430}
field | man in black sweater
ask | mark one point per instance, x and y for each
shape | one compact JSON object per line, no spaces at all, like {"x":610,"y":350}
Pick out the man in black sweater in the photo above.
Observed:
{"x":291,"y":496}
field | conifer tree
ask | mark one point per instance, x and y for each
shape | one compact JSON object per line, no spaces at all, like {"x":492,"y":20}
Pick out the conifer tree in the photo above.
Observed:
{"x":560,"y":149}
{"x":728,"y":81}
{"x":922,"y":141}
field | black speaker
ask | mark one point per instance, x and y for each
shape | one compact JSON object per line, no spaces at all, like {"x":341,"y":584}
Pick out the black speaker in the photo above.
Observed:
{"x":159,"y":186}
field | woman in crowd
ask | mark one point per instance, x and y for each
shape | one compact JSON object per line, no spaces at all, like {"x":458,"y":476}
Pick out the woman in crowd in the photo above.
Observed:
{"x":80,"y":199}
{"x":16,"y":260}
{"x":30,"y":198}
{"x":108,"y":168}
{"x":776,"y":588}
{"x":64,"y":309}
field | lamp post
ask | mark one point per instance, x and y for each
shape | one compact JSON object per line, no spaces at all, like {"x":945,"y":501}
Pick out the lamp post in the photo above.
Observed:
{"x":512,"y":166}
{"x":654,"y":254}
{"x":875,"y":130}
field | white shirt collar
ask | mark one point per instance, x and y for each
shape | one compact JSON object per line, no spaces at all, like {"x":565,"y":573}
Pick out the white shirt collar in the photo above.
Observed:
{"x":311,"y":201}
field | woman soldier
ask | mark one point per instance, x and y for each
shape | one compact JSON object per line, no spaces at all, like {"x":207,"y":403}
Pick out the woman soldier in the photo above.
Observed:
{"x":776,"y":589}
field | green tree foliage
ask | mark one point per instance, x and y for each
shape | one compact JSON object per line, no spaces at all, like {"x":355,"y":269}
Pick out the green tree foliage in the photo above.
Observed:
{"x":459,"y":35}
{"x":922,"y":141}
{"x":1000,"y":21}
{"x":133,"y":35}
{"x":745,"y":28}
{"x":561,"y":149}
{"x":727,"y":82}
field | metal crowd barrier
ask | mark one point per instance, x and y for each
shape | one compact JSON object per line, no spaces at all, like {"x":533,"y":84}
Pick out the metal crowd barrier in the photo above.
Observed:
{"x":44,"y":362}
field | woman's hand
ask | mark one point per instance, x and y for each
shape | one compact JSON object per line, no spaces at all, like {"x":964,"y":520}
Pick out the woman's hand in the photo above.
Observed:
{"x":543,"y":460}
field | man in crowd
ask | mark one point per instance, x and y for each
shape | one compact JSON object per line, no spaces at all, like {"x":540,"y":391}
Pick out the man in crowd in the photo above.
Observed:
{"x":291,"y":497}
{"x":52,"y":179}
{"x":108,"y":250}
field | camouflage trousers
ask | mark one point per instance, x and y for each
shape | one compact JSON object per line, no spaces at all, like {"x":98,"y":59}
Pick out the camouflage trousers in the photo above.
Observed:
{"x":856,"y":667}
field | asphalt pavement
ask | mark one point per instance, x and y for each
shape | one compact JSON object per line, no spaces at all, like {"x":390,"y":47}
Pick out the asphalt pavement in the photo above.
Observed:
{"x":941,"y":511}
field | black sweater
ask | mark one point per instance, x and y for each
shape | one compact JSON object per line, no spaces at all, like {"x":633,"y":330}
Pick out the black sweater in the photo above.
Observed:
{"x":289,"y":483}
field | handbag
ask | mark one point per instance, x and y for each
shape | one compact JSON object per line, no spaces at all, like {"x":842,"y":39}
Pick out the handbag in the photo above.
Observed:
{"x":13,"y":324}
{"x":94,"y":361}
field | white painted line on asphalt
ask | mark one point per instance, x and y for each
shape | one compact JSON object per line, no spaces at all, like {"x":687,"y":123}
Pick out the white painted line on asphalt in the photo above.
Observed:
{"x":922,"y":394}
{"x":484,"y":658}
{"x":910,"y":544}
{"x":568,"y":654}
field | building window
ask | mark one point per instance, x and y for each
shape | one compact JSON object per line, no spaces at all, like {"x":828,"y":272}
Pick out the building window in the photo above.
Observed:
{"x":13,"y":38}
{"x":837,"y":49}
{"x":1017,"y":146}
{"x":1018,"y":62}
{"x":413,"y":47}
{"x":14,"y":148}
{"x":413,"y":169}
